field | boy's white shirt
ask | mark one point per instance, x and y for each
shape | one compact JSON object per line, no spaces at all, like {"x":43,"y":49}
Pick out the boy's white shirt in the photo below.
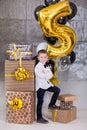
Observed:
{"x":42,"y":76}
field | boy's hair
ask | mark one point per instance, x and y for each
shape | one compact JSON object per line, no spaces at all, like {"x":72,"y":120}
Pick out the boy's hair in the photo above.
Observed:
{"x":42,"y":52}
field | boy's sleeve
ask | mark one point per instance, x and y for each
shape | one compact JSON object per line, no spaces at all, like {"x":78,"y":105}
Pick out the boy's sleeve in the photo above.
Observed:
{"x":38,"y":71}
{"x":47,"y":74}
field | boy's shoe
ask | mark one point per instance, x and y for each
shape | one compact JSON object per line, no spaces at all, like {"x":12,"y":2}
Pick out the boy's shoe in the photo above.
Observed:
{"x":42,"y":120}
{"x":53,"y":107}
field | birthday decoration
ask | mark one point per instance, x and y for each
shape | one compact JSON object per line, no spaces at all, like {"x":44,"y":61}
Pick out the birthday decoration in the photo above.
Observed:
{"x":20,"y":107}
{"x":48,"y":18}
{"x":16,"y":103}
{"x":36,"y":11}
{"x":15,"y":49}
{"x":54,"y":80}
{"x":19,"y":84}
{"x":72,"y":57}
{"x":74,"y":10}
{"x":63,"y":63}
{"x":49,"y":2}
{"x":21,"y":73}
{"x":15,"y":52}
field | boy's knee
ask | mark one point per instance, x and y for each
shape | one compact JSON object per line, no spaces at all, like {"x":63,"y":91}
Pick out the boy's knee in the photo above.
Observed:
{"x":57,"y":90}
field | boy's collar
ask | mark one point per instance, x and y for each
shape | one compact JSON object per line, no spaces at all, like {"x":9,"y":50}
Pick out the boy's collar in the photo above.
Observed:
{"x":41,"y":63}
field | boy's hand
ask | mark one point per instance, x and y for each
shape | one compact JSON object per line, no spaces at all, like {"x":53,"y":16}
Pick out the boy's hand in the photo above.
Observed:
{"x":43,"y":71}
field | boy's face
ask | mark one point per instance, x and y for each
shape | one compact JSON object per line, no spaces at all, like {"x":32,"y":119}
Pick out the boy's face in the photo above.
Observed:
{"x":43,"y":58}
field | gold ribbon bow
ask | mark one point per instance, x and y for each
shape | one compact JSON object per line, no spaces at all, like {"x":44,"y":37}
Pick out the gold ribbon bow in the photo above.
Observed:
{"x":16,"y":103}
{"x":22,"y":74}
{"x":16,"y":51}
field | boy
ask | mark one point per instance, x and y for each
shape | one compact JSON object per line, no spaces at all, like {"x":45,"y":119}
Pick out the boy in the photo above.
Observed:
{"x":43,"y":74}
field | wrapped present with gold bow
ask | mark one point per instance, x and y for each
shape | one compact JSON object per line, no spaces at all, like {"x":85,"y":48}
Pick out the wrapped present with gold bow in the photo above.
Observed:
{"x":19,"y":78}
{"x":25,"y":49}
{"x":20,"y":107}
{"x":64,"y":116}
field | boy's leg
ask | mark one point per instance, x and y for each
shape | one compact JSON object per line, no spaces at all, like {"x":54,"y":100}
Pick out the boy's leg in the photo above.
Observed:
{"x":40,"y":96}
{"x":56,"y":92}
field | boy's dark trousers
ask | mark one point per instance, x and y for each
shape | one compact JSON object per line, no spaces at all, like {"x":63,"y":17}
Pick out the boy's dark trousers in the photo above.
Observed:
{"x":40,"y":97}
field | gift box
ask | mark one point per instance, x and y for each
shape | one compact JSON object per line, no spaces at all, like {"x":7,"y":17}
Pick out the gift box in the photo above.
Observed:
{"x":64,"y":116}
{"x":20,"y":107}
{"x":11,"y":83}
{"x":24,"y":49}
{"x":66,"y":105}
{"x":67,"y":97}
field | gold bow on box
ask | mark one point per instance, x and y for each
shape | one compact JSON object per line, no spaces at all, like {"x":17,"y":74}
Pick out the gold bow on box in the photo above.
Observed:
{"x":16,"y":51}
{"x":21,"y":73}
{"x":16,"y":103}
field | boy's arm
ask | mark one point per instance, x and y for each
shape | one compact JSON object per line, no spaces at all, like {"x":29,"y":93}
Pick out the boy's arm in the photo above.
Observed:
{"x":40,"y":72}
{"x":47,"y":74}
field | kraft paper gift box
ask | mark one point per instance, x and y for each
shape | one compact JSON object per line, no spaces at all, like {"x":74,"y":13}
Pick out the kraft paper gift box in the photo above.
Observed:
{"x":24,"y":115}
{"x":67,"y":97}
{"x":11,"y":84}
{"x":66,"y":105}
{"x":64,"y":116}
{"x":23,"y":49}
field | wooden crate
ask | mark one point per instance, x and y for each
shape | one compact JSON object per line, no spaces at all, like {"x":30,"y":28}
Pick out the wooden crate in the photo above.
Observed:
{"x":24,"y":115}
{"x":11,"y":84}
{"x":64,"y":116}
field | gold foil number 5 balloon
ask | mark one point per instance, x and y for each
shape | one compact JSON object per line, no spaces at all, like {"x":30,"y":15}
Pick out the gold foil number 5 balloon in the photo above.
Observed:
{"x":48,"y":19}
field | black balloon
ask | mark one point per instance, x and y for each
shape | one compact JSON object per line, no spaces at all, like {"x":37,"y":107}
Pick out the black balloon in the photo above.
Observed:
{"x":63,"y":20}
{"x":74,"y":10}
{"x":50,"y":40}
{"x":72,"y":57}
{"x":48,"y":2}
{"x":37,"y":10}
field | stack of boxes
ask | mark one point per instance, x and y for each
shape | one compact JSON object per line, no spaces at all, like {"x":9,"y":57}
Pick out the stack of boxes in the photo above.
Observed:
{"x":19,"y":93}
{"x":66,"y":112}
